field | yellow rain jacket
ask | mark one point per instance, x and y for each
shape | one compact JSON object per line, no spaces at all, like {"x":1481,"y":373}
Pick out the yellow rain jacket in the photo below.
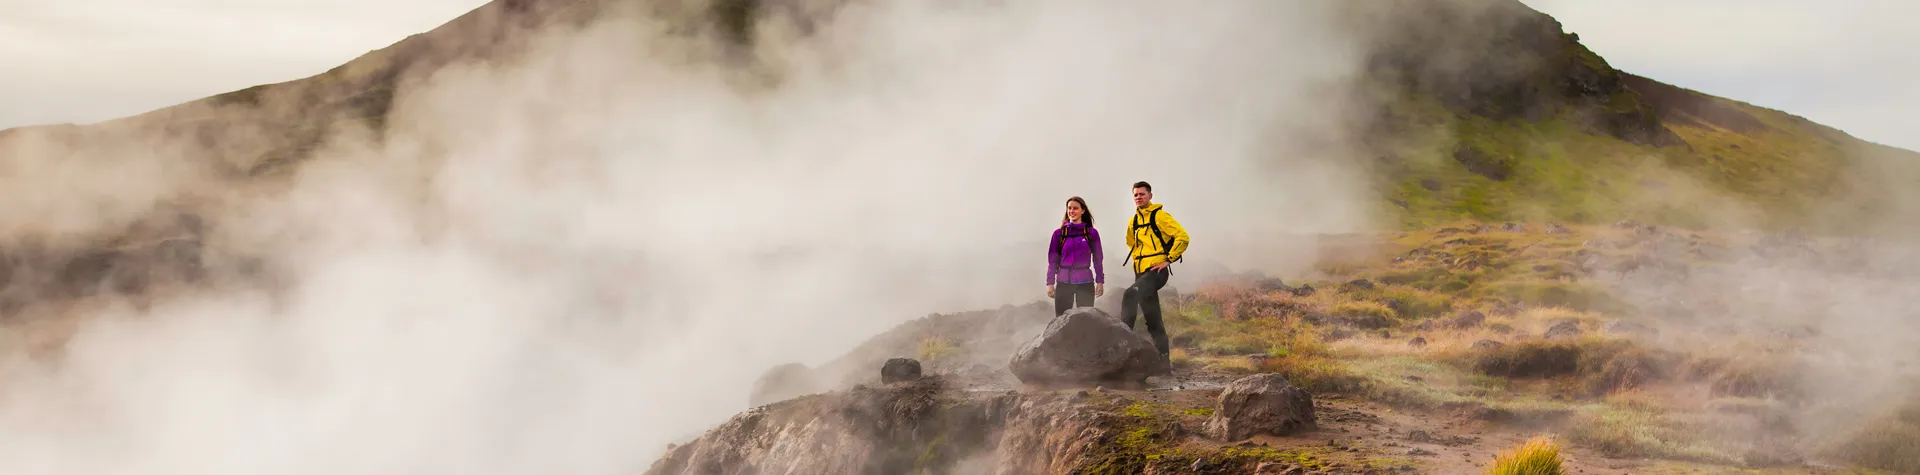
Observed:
{"x":1154,"y":237}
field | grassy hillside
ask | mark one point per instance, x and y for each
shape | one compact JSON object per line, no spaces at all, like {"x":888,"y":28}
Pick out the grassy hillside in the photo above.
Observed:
{"x":1529,"y":326}
{"x":1529,"y":124}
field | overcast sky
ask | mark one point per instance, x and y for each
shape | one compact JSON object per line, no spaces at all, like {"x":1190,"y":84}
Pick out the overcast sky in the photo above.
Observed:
{"x":1851,"y":66}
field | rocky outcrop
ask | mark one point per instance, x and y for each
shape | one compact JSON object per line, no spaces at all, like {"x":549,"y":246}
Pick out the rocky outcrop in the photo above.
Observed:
{"x":899,"y":370}
{"x":972,"y":346}
{"x":1085,"y":346}
{"x":1261,"y":404}
{"x":1563,"y":329}
{"x":895,"y":429}
{"x":1523,"y":65}
{"x":929,"y":426}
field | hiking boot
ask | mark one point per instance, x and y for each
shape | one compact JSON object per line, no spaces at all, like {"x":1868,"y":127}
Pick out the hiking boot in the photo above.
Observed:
{"x":1161,"y":367}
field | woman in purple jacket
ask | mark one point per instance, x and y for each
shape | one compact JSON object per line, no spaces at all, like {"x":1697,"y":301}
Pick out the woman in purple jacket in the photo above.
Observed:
{"x":1073,"y":260}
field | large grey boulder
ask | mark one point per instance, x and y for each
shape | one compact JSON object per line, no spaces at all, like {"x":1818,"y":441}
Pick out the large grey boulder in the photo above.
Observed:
{"x":1085,"y":346}
{"x":1260,"y":404}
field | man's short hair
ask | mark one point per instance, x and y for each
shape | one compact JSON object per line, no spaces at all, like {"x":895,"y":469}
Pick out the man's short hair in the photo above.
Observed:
{"x":1142,"y":184}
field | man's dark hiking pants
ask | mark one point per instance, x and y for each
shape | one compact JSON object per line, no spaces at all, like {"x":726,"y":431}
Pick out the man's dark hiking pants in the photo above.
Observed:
{"x":1145,"y":293}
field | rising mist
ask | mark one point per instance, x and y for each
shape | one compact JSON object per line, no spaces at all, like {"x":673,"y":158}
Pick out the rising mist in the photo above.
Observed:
{"x":565,"y":262}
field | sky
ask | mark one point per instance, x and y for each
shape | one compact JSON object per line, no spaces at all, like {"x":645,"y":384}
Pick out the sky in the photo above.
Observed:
{"x":1847,"y":64}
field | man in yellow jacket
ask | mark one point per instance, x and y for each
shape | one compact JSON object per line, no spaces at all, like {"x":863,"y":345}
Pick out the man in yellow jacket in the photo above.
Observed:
{"x":1154,"y":241}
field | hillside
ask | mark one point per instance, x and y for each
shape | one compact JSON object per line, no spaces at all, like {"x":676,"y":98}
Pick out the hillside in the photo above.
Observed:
{"x":1665,"y":280}
{"x":1532,"y":125}
{"x":1639,"y":349}
{"x":1483,"y":109}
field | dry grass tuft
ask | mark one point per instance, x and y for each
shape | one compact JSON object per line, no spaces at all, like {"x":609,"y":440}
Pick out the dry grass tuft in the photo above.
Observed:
{"x":934,"y":348}
{"x":1539,"y":456}
{"x":1363,"y":309}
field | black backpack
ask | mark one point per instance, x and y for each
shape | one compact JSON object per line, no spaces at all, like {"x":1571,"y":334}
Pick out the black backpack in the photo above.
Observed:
{"x":1166,"y":243}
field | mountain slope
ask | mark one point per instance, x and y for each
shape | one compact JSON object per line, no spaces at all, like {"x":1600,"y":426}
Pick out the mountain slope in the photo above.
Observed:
{"x":1482,"y":109}
{"x":1486,"y":109}
{"x":1533,"y":125}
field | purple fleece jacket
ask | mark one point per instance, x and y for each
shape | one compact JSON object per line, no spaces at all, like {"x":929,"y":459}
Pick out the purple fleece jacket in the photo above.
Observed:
{"x":1074,"y":255}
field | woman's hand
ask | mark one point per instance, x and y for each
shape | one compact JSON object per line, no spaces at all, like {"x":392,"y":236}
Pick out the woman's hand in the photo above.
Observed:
{"x":1099,"y":288}
{"x":1049,"y":290}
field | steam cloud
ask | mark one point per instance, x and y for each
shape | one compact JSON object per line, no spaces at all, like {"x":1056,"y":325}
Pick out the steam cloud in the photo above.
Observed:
{"x":564,"y":263}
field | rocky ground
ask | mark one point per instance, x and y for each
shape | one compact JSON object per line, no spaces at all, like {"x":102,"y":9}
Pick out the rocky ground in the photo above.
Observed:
{"x":1424,"y":352}
{"x":1160,"y":428}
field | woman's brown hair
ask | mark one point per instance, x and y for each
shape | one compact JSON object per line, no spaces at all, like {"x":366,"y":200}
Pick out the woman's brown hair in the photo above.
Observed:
{"x":1086,"y":213}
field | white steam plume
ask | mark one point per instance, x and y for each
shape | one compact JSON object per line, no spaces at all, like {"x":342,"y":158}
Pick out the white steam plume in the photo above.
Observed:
{"x":562,"y":265}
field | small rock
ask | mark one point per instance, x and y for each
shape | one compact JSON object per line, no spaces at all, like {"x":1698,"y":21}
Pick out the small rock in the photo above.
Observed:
{"x":1272,"y":284}
{"x":1563,"y":329}
{"x":1420,"y":452}
{"x":1487,"y":345}
{"x":1275,"y":468}
{"x":1420,"y":436}
{"x":1513,"y":227}
{"x":1303,"y":291}
{"x":1358,"y":284}
{"x":900,"y":369}
{"x":1468,"y":319}
{"x":1262,"y":403}
{"x":1553,"y":228}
